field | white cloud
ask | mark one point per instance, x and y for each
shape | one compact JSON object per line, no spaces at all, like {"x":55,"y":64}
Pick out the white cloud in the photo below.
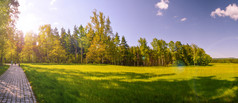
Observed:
{"x":162,"y":5}
{"x":159,"y":13}
{"x":230,"y":11}
{"x":52,"y":2}
{"x":183,"y":19}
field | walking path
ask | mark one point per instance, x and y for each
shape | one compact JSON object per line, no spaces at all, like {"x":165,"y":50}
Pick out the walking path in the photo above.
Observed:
{"x":14,"y":87}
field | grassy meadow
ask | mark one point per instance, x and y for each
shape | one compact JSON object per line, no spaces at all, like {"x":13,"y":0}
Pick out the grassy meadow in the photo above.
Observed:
{"x":125,"y":84}
{"x":3,"y":69}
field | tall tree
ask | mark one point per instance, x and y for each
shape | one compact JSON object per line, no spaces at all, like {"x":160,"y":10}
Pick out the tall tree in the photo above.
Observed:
{"x":83,"y":42}
{"x":27,"y":53}
{"x":172,"y":51}
{"x":56,"y":33}
{"x":63,"y":37}
{"x":101,"y":30}
{"x":187,"y":55}
{"x":9,"y":14}
{"x":156,"y":50}
{"x":75,"y":41}
{"x":144,"y":50}
{"x":178,"y":53}
{"x":57,"y":53}
{"x":45,"y":40}
{"x":19,"y":44}
{"x":195,"y":50}
{"x":123,"y":50}
{"x":117,"y":53}
{"x":163,"y":48}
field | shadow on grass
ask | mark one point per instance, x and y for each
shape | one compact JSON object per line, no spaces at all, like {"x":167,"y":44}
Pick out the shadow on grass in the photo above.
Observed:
{"x":68,"y":64}
{"x":128,"y":75}
{"x":52,"y":87}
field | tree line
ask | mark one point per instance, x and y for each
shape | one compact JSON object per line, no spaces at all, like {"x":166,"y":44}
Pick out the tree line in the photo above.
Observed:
{"x":96,"y":43}
{"x":225,"y":60}
{"x":8,"y":16}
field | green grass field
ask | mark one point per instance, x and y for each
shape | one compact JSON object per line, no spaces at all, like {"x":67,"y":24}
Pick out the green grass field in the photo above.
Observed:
{"x":3,"y":69}
{"x":124,"y":84}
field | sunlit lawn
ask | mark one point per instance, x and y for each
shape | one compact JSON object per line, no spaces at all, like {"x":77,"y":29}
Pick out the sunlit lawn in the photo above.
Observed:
{"x":3,"y":69}
{"x":123,"y":84}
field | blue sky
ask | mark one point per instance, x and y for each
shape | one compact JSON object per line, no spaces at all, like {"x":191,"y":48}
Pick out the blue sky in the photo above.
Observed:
{"x":211,"y":24}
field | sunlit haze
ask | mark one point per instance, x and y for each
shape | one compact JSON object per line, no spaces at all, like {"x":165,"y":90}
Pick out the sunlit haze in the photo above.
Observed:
{"x":211,"y":25}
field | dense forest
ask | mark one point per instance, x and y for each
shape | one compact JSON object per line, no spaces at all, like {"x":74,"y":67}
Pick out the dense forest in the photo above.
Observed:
{"x":94,"y":43}
{"x":225,"y":60}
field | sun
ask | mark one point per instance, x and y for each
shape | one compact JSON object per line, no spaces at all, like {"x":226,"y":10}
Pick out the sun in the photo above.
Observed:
{"x":27,"y":23}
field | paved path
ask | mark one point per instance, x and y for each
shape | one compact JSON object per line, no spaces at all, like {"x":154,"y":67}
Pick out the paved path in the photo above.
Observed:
{"x":14,"y":87}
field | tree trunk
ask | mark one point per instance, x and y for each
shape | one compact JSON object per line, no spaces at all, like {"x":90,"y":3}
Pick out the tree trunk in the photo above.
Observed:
{"x":76,"y":53}
{"x":158,"y":61}
{"x":86,"y":59}
{"x":143,"y":62}
{"x":1,"y":58}
{"x":81,"y":55}
{"x":47,"y":55}
{"x":162,"y":62}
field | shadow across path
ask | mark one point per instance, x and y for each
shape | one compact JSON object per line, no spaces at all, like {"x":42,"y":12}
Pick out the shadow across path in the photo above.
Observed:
{"x":14,"y":87}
